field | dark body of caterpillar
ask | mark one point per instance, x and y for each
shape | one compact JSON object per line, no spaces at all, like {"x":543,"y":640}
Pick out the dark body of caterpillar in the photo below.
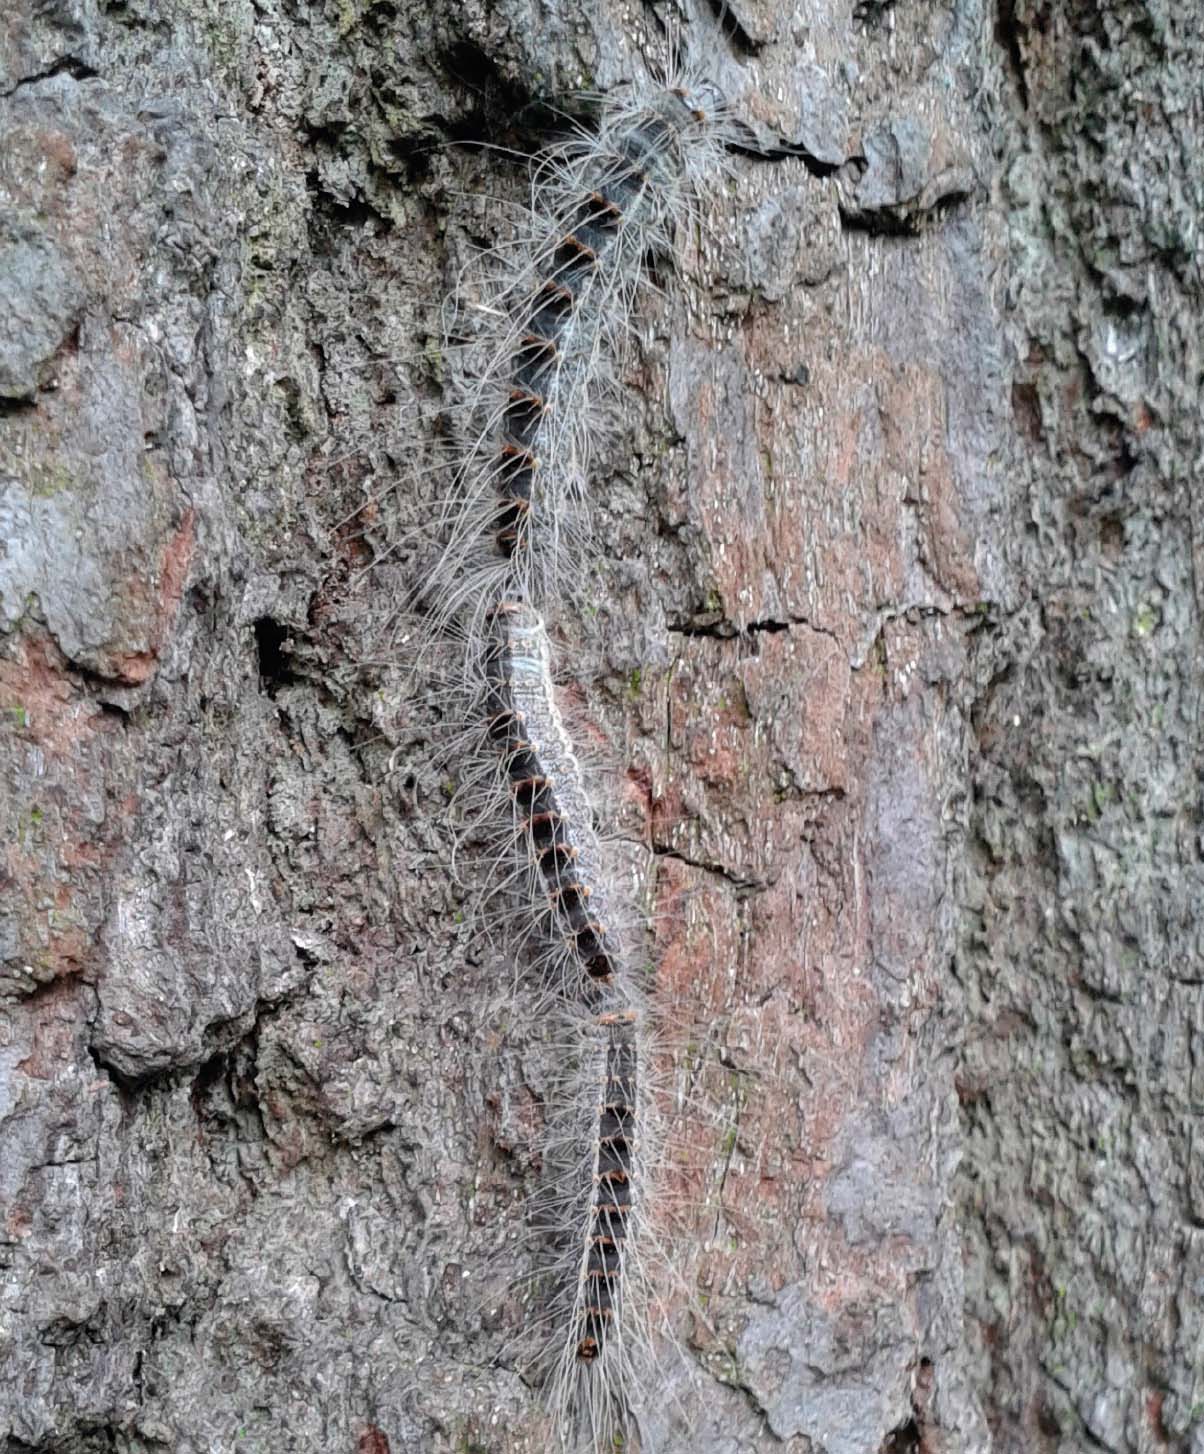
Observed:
{"x":614,"y":202}
{"x":581,"y":283}
{"x":613,"y":1186}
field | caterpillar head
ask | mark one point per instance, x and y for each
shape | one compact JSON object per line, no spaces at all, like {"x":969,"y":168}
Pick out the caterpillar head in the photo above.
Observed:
{"x":703,"y":101}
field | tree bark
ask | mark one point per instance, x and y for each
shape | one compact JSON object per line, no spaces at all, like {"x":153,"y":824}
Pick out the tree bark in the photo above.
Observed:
{"x":1082,"y":942}
{"x":891,"y":644}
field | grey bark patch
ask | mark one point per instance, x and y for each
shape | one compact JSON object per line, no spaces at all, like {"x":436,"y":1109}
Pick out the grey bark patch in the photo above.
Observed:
{"x":95,"y":537}
{"x":911,"y":167}
{"x":840,"y":1382}
{"x":37,"y":38}
{"x":875,"y":1193}
{"x":1082,"y":882}
{"x":823,"y":127}
{"x":787,"y":242}
{"x":810,"y":116}
{"x":41,"y":301}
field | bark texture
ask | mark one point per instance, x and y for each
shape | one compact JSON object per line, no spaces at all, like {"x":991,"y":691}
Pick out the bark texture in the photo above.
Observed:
{"x":1084,"y":954}
{"x":893,"y":650}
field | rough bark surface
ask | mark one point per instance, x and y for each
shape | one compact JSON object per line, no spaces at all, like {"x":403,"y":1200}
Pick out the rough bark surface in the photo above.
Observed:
{"x":893,"y":650}
{"x":1084,"y":955}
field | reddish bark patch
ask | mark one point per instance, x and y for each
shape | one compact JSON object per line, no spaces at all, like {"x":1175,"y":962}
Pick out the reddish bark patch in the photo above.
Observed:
{"x":39,"y":698}
{"x":55,"y":1031}
{"x":18,"y":1222}
{"x":137,"y":667}
{"x":915,"y":429}
{"x":52,"y":850}
{"x":1153,"y":1410}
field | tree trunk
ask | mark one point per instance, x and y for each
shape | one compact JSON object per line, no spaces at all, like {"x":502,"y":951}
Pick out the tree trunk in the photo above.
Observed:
{"x":1081,"y":954}
{"x":890,"y":644}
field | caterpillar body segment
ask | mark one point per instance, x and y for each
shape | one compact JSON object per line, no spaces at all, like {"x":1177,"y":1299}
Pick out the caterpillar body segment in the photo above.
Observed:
{"x":600,"y":1354}
{"x":613,"y":1209}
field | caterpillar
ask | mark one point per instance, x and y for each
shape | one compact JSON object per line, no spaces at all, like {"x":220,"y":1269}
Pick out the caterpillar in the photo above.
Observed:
{"x":608,"y":1187}
{"x":602,"y":1354}
{"x":551,"y":824}
{"x":549,"y":331}
{"x":553,"y":320}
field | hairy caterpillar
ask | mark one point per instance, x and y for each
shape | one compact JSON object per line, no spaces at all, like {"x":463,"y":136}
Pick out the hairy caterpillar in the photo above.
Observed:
{"x":553,"y":320}
{"x":606,"y":1190}
{"x":549,"y":330}
{"x":602,"y":1349}
{"x":552,"y":827}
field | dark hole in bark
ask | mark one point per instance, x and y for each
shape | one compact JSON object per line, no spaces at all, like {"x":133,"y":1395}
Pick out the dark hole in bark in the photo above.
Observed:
{"x":903,"y":1440}
{"x":271,"y":645}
